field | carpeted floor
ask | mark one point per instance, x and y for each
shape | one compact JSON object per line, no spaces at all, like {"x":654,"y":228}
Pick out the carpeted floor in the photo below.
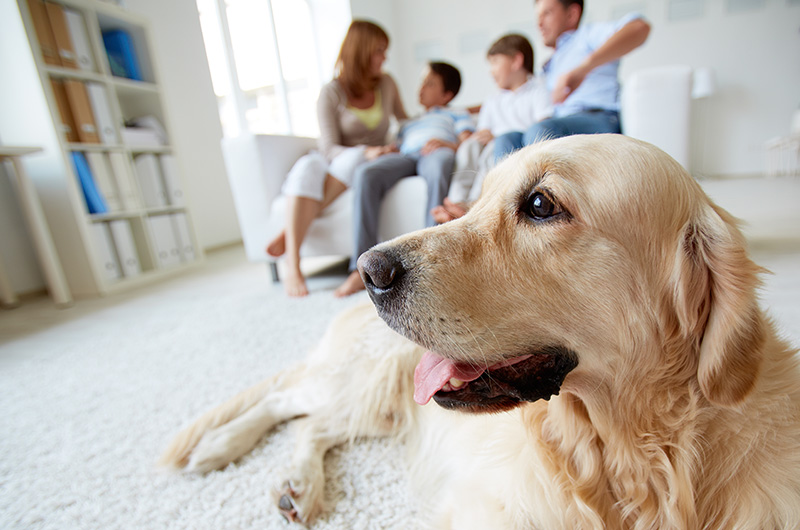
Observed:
{"x":89,"y":396}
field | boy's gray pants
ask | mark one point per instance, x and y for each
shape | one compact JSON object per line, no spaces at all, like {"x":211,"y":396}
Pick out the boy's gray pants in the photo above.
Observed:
{"x":373,"y":179}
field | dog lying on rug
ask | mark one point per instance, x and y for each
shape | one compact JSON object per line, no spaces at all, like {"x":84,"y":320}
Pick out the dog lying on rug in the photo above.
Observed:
{"x":599,"y":300}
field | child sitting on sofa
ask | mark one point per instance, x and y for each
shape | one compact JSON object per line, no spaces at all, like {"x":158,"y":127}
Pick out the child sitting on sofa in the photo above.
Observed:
{"x":427,"y":148}
{"x":521,"y":101}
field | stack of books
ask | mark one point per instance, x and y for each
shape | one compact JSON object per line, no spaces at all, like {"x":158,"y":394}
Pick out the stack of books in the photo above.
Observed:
{"x":117,"y":250}
{"x":109,"y":187}
{"x":122,"y":54}
{"x":84,"y":111}
{"x":62,"y":35}
{"x":64,"y":41}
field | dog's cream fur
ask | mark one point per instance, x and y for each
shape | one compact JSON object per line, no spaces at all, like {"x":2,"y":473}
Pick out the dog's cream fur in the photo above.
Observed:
{"x":682,"y":412}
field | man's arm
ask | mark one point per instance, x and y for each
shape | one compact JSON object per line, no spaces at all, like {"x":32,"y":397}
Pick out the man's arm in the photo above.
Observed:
{"x":628,"y":38}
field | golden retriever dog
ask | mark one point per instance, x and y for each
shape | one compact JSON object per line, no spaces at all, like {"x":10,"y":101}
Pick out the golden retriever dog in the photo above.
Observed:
{"x":592,"y":340}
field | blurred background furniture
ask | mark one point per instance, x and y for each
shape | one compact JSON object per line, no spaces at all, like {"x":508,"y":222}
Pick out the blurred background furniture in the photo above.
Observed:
{"x":783,"y":153}
{"x":656,"y":108}
{"x":37,"y":224}
{"x":257,"y":166}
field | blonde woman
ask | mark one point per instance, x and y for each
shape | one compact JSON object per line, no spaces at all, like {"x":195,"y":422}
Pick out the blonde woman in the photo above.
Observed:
{"x":354,"y":112}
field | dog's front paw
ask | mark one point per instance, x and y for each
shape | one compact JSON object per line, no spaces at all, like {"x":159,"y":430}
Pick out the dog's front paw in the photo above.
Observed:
{"x":286,"y":504}
{"x":298,"y":502}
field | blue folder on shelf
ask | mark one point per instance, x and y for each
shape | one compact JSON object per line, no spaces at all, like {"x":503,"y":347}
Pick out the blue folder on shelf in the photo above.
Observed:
{"x":94,"y":199}
{"x":121,"y":54}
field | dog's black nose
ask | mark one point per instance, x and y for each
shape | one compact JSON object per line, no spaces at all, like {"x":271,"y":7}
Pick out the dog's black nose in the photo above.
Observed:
{"x":380,"y":271}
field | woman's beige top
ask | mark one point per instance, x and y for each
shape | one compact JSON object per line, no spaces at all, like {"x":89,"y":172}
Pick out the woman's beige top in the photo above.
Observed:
{"x":340,"y":127}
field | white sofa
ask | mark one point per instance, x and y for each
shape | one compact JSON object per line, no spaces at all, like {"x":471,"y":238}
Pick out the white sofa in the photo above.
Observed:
{"x":257,"y":166}
{"x":656,"y":104}
{"x":656,"y":107}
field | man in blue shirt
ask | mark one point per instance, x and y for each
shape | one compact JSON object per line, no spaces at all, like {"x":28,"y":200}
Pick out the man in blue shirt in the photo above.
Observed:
{"x":581,"y":74}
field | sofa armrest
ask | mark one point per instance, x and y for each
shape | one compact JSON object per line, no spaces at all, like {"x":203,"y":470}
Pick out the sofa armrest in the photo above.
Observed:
{"x":257,"y":166}
{"x":656,"y":108}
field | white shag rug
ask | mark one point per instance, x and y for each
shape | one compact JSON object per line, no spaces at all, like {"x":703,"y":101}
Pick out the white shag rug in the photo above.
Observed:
{"x":88,"y":403}
{"x":89,"y":397}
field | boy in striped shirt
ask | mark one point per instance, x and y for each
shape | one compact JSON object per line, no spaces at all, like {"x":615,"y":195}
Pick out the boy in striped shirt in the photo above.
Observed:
{"x":427,"y":146}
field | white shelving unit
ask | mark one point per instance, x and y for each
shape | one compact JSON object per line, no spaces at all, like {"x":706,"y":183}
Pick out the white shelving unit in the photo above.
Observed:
{"x":29,"y":115}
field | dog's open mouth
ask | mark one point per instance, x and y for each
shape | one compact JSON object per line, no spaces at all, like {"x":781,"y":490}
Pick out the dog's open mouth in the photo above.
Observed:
{"x":500,"y":386}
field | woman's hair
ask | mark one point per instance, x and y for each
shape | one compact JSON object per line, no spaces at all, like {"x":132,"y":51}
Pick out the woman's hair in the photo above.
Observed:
{"x":512,"y":44}
{"x":355,"y":57}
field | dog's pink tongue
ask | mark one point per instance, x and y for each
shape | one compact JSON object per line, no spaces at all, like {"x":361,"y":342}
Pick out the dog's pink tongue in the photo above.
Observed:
{"x":434,"y":371}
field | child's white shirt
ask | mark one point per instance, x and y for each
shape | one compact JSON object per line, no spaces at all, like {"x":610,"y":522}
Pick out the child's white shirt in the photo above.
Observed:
{"x":516,"y":110}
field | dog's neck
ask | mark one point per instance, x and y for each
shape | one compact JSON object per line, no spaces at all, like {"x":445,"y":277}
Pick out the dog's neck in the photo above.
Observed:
{"x":613,"y":434}
{"x":648,"y":428}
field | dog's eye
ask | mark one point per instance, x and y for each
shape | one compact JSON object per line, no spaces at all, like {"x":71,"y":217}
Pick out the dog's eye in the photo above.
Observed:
{"x":540,"y":206}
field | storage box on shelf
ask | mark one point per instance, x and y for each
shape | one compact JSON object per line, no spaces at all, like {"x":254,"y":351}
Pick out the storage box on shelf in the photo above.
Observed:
{"x":116,"y":201}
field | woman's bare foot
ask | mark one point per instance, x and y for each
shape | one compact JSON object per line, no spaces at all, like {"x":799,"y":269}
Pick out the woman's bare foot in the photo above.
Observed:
{"x":295,"y":284}
{"x":277,"y":246}
{"x":351,"y":285}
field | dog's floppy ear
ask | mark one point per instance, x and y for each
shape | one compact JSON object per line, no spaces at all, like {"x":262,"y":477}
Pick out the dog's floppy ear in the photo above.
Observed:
{"x":715,"y":290}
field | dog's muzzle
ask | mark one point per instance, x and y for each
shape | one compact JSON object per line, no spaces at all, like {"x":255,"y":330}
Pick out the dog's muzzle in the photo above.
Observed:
{"x":390,"y":283}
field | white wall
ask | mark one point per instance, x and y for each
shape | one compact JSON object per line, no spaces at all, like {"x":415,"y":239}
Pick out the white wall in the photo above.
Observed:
{"x":755,"y":53}
{"x":331,"y":20}
{"x":196,"y":132}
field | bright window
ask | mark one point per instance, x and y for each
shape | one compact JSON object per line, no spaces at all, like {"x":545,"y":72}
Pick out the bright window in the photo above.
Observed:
{"x":265,"y":64}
